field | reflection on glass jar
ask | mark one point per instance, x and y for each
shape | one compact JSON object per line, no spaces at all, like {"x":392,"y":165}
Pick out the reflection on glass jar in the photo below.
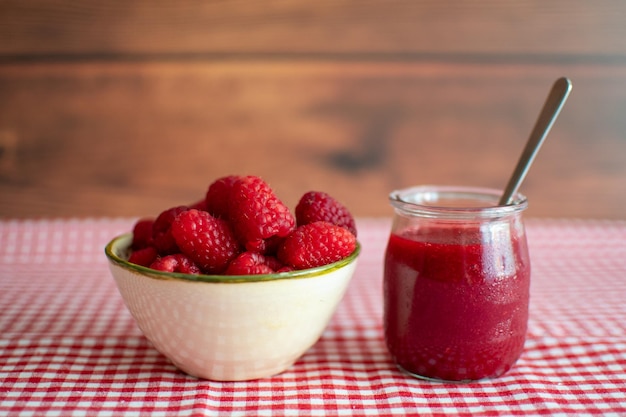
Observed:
{"x":456,"y":283}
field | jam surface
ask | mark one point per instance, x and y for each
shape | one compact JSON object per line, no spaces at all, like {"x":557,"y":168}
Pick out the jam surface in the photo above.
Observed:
{"x":456,"y":302}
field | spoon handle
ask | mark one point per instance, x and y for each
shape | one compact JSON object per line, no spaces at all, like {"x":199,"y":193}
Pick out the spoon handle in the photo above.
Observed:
{"x":551,"y":109}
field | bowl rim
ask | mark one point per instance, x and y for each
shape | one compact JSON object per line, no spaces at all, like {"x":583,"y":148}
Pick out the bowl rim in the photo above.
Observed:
{"x":122,"y":243}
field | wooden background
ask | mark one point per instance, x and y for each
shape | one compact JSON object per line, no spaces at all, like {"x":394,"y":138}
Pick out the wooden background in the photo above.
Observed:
{"x":117,"y":108}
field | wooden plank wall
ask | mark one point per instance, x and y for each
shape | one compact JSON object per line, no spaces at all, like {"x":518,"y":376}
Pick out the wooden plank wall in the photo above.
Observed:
{"x":116,"y":108}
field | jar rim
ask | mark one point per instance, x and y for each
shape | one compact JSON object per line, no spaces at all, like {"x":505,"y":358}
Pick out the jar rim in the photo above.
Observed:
{"x":426,"y":201}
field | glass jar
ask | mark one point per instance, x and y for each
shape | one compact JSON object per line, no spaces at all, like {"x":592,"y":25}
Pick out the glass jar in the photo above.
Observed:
{"x":456,"y":283}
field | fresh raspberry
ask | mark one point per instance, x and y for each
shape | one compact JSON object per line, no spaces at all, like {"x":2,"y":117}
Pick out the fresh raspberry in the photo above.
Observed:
{"x":257,"y":214}
{"x":218,"y":196}
{"x":206,"y":240}
{"x":316,"y":244}
{"x":176,"y":263}
{"x":249,"y":263}
{"x":144,"y":256}
{"x":273,"y":263}
{"x":142,"y":233}
{"x":318,"y":206}
{"x":162,"y":236}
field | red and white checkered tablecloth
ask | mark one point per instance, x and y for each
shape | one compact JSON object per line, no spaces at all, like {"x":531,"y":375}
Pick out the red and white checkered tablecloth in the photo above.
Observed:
{"x":68,"y":346}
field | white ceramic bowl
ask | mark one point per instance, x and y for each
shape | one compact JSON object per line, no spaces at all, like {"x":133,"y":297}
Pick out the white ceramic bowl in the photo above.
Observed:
{"x":230,"y":328}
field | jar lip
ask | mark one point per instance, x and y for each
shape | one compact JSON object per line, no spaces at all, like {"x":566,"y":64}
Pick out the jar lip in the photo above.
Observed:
{"x":426,"y":200}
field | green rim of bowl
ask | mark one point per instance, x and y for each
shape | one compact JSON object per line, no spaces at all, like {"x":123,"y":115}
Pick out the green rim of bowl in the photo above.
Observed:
{"x":117,"y":249}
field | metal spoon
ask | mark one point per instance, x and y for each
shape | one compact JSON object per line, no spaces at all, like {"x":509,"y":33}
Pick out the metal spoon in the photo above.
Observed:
{"x":551,"y":109}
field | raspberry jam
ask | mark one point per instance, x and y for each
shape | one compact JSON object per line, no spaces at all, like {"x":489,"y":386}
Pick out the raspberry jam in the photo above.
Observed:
{"x":456,"y":283}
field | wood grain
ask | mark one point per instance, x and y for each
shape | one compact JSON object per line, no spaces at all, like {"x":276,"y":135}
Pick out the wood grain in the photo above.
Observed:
{"x":533,"y":28}
{"x":125,"y":109}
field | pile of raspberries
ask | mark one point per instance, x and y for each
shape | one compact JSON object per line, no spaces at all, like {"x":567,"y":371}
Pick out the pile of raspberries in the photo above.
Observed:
{"x":242,"y":228}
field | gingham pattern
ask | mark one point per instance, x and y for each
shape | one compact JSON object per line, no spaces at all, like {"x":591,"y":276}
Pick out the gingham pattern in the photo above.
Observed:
{"x":68,"y":346}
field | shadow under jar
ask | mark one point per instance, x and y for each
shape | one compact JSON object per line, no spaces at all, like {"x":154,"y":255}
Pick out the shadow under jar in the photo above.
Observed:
{"x":456,"y":283}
